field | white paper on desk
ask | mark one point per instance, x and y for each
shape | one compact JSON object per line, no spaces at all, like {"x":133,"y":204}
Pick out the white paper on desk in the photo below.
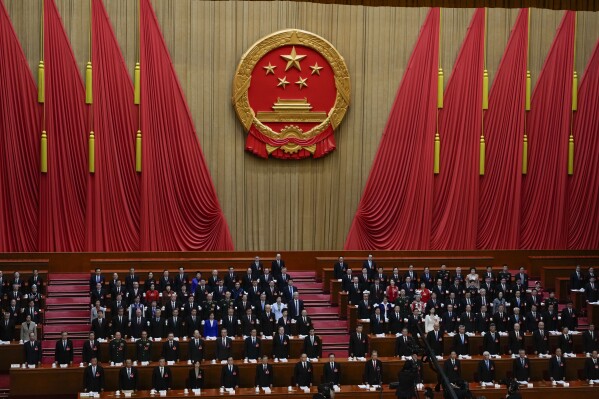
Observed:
{"x":398,"y":334}
{"x":362,"y":359}
{"x":127,"y":394}
{"x":339,"y":280}
{"x":569,"y":354}
{"x":64,"y":366}
{"x":169,"y":363}
{"x":451,"y":334}
{"x":145,"y":363}
{"x":121,"y":364}
{"x":595,"y":381}
{"x":522,"y":382}
{"x":439,"y":357}
{"x":470,"y":334}
{"x":496,"y":356}
{"x":253,"y":361}
{"x":575,"y":332}
{"x":162,"y":393}
{"x":487,"y":384}
{"x":362,"y":386}
{"x":283,"y":360}
{"x":266,"y":337}
{"x":303,"y":388}
{"x":306,"y":390}
{"x":314,"y":360}
{"x":560,"y":382}
{"x":230,"y":390}
{"x":503,"y":334}
{"x":336,"y":388}
{"x":84,"y":395}
{"x":302,"y":336}
{"x":380,"y":335}
{"x":266,"y":389}
{"x":223,"y":362}
{"x":15,"y":366}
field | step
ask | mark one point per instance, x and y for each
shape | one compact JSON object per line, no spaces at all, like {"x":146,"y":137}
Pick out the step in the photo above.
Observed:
{"x":59,"y":314}
{"x":70,"y":328}
{"x":330,"y":324}
{"x":303,"y":275}
{"x":335,"y":339}
{"x":330,"y":311}
{"x":68,"y":301}
{"x":69,"y":276}
{"x":57,"y":290}
{"x":308,"y":286}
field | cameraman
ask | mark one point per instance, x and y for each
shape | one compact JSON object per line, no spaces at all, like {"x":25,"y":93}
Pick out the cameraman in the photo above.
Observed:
{"x":325,"y":391}
{"x":407,"y":381}
{"x":512,"y":390}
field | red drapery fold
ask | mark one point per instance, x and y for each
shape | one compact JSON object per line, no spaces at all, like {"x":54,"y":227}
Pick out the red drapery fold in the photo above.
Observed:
{"x":63,"y":189}
{"x":543,"y":218}
{"x":114,"y":189}
{"x":396,"y":207}
{"x":584,"y":184}
{"x":499,"y":203}
{"x":455,"y":209}
{"x":19,"y":145}
{"x":180,"y":209}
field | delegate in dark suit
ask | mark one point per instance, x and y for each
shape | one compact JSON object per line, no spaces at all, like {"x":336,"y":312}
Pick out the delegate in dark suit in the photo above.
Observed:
{"x":331,"y":373}
{"x":540,"y":342}
{"x":516,"y":342}
{"x":252,"y":348}
{"x":557,"y":368}
{"x":195,"y":379}
{"x":33,"y":352}
{"x":521,"y":369}
{"x":591,"y":369}
{"x":492,"y":343}
{"x":302,"y":374}
{"x":223,"y":349}
{"x":486,"y":371}
{"x":373,"y":371}
{"x":93,"y":380}
{"x":100,"y":328}
{"x":404,"y":346}
{"x":435,"y":341}
{"x":196,"y":350}
{"x":460,"y":344}
{"x":453,"y":370}
{"x":358,"y":346}
{"x":90,"y":350}
{"x":280,"y":346}
{"x":229,"y":376}
{"x":170,"y":351}
{"x":313,"y":346}
{"x":63,"y":354}
{"x":590,"y":341}
{"x":128,"y":380}
{"x":264,"y":375}
{"x":161,"y":382}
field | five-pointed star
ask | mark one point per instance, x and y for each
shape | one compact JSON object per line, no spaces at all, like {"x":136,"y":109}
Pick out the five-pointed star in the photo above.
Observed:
{"x":270,"y":68}
{"x":302,"y":82}
{"x":283,"y":82}
{"x":293,"y":60}
{"x":316,"y":69}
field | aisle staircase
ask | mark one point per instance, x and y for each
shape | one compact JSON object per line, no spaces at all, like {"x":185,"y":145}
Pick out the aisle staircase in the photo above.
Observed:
{"x":332,"y":330}
{"x":67,"y":309}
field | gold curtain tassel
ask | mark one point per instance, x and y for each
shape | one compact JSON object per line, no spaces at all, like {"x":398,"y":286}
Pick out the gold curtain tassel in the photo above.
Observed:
{"x":92,"y":152}
{"x":137,"y":83}
{"x":481,"y":166}
{"x":485,"y":89}
{"x":437,"y":153}
{"x":571,"y":155}
{"x":575,"y":91}
{"x":440,"y":88}
{"x":138,"y":152}
{"x":525,"y":155}
{"x":44,"y":153}
{"x":528,"y":90}
{"x":88,"y":84}
{"x":41,"y":83}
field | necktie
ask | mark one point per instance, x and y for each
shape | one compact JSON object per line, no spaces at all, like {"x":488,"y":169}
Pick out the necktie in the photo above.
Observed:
{"x":162,"y":371}
{"x":452,"y":362}
{"x":129,"y":372}
{"x":64,"y":344}
{"x":436,"y":336}
{"x":487,"y":364}
{"x":462,"y":338}
{"x":253,"y":340}
{"x":332,"y":366}
{"x":405,"y":339}
{"x":264,"y":367}
{"x":522,"y":361}
{"x":281,"y":338}
{"x":171,"y":343}
{"x":359,"y":336}
{"x":304,"y":363}
{"x":94,"y":371}
{"x":230,"y":369}
{"x":175,"y":320}
{"x":224,"y":342}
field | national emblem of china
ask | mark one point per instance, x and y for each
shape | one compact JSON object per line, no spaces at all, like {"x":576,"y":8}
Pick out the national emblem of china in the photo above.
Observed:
{"x":291,"y":91}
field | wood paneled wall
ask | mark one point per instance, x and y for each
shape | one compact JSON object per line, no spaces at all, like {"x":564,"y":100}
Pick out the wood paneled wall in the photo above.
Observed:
{"x":292,"y":205}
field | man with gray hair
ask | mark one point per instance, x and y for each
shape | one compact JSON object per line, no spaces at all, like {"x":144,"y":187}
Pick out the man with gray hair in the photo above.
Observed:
{"x":486,"y":369}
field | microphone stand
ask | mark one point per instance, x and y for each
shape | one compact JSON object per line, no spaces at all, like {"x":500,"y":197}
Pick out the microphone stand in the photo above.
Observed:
{"x":430,"y":353}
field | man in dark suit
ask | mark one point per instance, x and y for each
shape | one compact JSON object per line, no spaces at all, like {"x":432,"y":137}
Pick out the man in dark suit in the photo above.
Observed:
{"x":591,"y":290}
{"x":570,"y":317}
{"x":486,"y":368}
{"x":377,"y":322}
{"x":590,"y":340}
{"x":93,"y":377}
{"x":557,"y":366}
{"x":302,"y":372}
{"x":522,"y":276}
{"x":277,"y":265}
{"x":312,"y":345}
{"x":174,"y":324}
{"x":264,"y":374}
{"x":370,"y":265}
{"x":229,"y":376}
{"x":33,"y":351}
{"x":461,"y":342}
{"x":100,"y":326}
{"x":230,"y":322}
{"x":230,"y":278}
{"x":257,"y":267}
{"x":565,"y":342}
{"x":223,"y":346}
{"x":576,"y":279}
{"x":98,"y":294}
{"x":295,"y":306}
{"x":373,"y":370}
{"x":161,"y":376}
{"x":515,"y":340}
{"x":196,"y":348}
{"x":453,"y":368}
{"x":157,"y":325}
{"x":521,"y":367}
{"x":128,"y":377}
{"x":540,"y":340}
{"x":96,"y":278}
{"x":192,"y":323}
{"x":435,"y":339}
{"x":355,"y":291}
{"x":267,"y":322}
{"x":7,"y":328}
{"x":491,"y":341}
{"x":395,"y":323}
{"x":358,"y":343}
{"x":280,"y":344}
{"x":170,"y":349}
{"x":331,"y":371}
{"x":449,"y":319}
{"x":137,"y":325}
{"x":91,"y":348}
{"x":304,"y":323}
{"x":591,"y":367}
{"x":195,"y":378}
{"x":143,"y":348}
{"x":36,"y":279}
{"x":181,"y":279}
{"x":404,"y":344}
{"x":63,"y":353}
{"x":252,"y":346}
{"x":120,"y":323}
{"x":467,"y":319}
{"x":165,"y":281}
{"x":339,"y":268}
{"x":131,"y":278}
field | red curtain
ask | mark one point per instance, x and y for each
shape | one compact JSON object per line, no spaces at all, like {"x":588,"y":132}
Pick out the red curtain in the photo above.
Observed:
{"x":396,"y":207}
{"x":180,"y":210}
{"x":455,"y":209}
{"x":543,"y":219}
{"x":114,"y":189}
{"x":19,"y":145}
{"x":584,"y":184}
{"x":63,"y":189}
{"x":499,"y":198}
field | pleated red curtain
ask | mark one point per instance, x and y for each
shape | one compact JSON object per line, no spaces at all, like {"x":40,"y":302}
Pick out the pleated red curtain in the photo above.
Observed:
{"x":455,"y":208}
{"x":180,"y":210}
{"x":499,"y":198}
{"x":543,"y":218}
{"x":583,"y":193}
{"x":396,"y":207}
{"x":63,"y":189}
{"x":19,"y":145}
{"x":114,"y":188}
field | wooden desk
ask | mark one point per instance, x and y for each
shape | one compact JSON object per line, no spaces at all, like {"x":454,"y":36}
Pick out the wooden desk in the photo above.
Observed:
{"x":9,"y":354}
{"x":343,"y":304}
{"x":334,"y":289}
{"x":540,"y":389}
{"x":578,"y":299}
{"x":352,"y":316}
{"x":593,"y":314}
{"x":562,"y":288}
{"x":57,"y":381}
